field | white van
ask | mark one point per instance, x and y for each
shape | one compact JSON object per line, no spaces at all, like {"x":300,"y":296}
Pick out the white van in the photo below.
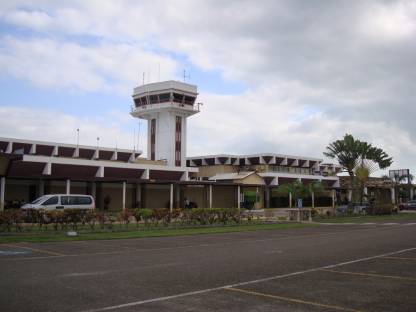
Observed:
{"x":62,"y":201}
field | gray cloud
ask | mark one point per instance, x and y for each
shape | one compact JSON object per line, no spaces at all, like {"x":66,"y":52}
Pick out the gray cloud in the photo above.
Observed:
{"x":314,"y":70}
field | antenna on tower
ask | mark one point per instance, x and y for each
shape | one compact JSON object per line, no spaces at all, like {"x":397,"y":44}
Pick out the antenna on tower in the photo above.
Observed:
{"x":134,"y":140}
{"x":185,"y":76}
{"x":144,"y":74}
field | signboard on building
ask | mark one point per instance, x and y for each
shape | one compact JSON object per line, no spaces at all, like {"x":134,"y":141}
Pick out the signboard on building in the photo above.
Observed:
{"x":399,"y":173}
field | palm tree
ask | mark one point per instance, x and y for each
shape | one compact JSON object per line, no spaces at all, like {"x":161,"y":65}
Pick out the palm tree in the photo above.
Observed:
{"x":350,"y":151}
{"x":298,"y":190}
{"x":398,"y":182}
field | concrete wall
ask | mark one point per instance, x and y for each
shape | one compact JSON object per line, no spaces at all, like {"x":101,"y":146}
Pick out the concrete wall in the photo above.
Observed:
{"x":20,"y":190}
{"x":155,"y":196}
{"x":251,"y":179}
{"x":114,"y":192}
{"x":224,"y":196}
{"x":195,"y":194}
{"x":55,"y":187}
{"x":80,"y":188}
{"x":209,"y":171}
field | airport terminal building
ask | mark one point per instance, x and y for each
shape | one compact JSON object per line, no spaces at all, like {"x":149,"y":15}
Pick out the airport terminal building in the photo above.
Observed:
{"x":166,"y":178}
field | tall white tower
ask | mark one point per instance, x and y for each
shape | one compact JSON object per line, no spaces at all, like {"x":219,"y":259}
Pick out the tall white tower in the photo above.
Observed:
{"x":166,"y":105}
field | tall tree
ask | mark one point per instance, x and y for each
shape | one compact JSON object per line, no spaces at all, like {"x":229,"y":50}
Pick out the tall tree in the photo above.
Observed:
{"x":350,"y":151}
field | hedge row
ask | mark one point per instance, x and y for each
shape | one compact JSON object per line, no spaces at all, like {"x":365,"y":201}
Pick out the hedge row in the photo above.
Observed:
{"x":74,"y":218}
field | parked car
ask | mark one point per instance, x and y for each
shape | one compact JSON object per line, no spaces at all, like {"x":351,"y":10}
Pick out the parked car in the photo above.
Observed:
{"x":410,"y":205}
{"x":62,"y":201}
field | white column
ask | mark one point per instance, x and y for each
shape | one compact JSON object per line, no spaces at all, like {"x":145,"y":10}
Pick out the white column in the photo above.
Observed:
{"x":393,"y":196}
{"x":2,"y":191}
{"x":210,"y":196}
{"x":412,"y":193}
{"x":349,"y":195}
{"x":68,"y":187}
{"x":238,"y":196}
{"x":290,"y":200}
{"x":94,"y":190}
{"x":333,"y":199}
{"x":171,"y":198}
{"x":123,"y":199}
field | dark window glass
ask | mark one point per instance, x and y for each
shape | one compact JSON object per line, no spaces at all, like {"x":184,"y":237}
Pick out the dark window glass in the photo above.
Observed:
{"x":178,"y":98}
{"x":84,"y":200}
{"x":143,"y":100}
{"x":152,"y":139}
{"x":51,"y":201}
{"x":164,"y":97}
{"x":154,"y":99}
{"x":65,"y":200}
{"x":178,"y":134}
{"x":137,"y":102}
{"x":189,"y":100}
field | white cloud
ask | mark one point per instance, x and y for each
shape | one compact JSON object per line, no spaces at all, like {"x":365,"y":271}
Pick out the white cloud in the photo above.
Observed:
{"x":53,"y":126}
{"x":111,"y":67}
{"x":394,"y":21}
{"x":314,"y":71}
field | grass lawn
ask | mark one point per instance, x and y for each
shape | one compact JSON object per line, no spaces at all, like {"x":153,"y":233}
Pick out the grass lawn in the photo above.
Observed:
{"x":132,"y":232}
{"x":363,"y":219}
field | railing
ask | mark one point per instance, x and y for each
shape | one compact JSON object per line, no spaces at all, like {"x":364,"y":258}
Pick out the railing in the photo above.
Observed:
{"x":193,"y":107}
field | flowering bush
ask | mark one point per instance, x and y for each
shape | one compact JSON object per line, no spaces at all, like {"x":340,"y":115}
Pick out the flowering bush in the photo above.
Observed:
{"x":73,"y":218}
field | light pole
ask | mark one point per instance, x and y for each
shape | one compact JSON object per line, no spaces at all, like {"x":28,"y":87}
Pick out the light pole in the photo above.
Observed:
{"x":77,"y":137}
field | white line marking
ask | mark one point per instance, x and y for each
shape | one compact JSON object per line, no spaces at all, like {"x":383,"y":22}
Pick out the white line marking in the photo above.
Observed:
{"x":266,"y":279}
{"x":141,"y":268}
{"x":131,"y":249}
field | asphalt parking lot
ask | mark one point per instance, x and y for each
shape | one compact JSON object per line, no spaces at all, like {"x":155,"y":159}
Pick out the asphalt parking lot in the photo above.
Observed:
{"x":370,"y":267}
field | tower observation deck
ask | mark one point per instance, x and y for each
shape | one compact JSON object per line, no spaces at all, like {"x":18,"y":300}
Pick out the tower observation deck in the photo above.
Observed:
{"x":166,"y":106}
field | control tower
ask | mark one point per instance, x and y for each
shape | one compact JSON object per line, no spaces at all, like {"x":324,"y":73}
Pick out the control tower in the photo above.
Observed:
{"x":166,"y":105}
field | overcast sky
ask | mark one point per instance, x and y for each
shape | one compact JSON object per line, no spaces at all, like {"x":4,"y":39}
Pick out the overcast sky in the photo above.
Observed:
{"x":274,"y":76}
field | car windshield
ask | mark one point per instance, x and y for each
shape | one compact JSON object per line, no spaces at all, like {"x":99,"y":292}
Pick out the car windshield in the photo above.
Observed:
{"x":39,"y":200}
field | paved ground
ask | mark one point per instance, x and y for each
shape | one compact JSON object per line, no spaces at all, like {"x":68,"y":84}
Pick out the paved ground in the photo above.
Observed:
{"x":333,"y":267}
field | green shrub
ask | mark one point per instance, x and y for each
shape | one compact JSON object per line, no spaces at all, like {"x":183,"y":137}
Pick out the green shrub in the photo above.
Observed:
{"x":124,"y":216}
{"x":382,"y":209}
{"x":145,"y":215}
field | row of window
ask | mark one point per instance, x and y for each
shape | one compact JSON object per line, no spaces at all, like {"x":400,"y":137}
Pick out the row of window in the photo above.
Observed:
{"x":68,"y":200}
{"x":164,"y":98}
{"x":178,"y":140}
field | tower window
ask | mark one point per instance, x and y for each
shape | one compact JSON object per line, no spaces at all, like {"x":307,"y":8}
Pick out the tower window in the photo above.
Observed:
{"x":178,"y":141}
{"x":154,"y":99}
{"x":137,"y":102}
{"x":152,"y":139}
{"x":178,"y":98}
{"x":189,"y":100}
{"x":164,"y":97}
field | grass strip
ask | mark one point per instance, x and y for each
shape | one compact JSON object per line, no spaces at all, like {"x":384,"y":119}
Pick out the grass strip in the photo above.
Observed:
{"x":52,"y":236}
{"x":364,"y":219}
